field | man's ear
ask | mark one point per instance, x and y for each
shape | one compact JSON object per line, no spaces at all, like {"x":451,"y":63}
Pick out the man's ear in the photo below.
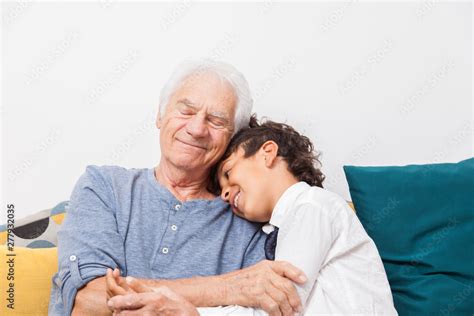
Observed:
{"x":158,"y":120}
{"x":269,"y":151}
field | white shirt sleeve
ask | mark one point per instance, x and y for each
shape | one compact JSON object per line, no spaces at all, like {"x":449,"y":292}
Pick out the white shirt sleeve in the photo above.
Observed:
{"x":231,"y":310}
{"x":304,"y":240}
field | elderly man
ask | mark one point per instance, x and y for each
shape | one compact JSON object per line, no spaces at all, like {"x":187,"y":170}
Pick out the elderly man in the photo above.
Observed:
{"x":164,"y":225}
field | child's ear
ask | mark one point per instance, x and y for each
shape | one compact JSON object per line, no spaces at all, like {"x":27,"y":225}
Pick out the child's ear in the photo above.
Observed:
{"x":270,"y":152}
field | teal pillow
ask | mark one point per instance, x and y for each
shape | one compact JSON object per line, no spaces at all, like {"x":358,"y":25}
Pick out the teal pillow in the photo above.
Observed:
{"x":421,"y":217}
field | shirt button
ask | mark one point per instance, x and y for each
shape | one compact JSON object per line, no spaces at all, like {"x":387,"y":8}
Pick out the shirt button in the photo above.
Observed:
{"x":177,"y":207}
{"x":165,"y":250}
{"x":174,"y":227}
{"x":72,"y":258}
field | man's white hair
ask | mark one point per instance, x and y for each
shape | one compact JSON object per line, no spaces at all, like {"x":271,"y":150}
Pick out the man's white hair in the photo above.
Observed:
{"x":194,"y":69}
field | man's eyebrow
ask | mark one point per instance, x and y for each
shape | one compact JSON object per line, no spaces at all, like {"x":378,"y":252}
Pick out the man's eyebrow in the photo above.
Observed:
{"x":187,"y":102}
{"x":220,"y":115}
{"x":217,"y":114}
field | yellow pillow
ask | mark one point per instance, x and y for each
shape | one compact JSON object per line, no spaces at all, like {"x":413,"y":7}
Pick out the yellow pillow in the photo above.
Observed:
{"x":33,"y":270}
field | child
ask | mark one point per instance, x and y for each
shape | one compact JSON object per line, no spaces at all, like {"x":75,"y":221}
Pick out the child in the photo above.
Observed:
{"x":268,"y":174}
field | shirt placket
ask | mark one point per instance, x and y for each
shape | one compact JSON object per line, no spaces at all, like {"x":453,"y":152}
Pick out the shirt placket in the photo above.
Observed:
{"x":166,"y":250}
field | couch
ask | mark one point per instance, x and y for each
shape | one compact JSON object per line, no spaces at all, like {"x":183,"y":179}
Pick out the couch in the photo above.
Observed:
{"x":406,"y":210}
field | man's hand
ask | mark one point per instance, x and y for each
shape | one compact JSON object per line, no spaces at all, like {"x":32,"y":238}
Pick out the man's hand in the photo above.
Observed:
{"x":266,"y":285}
{"x":115,"y":284}
{"x":129,"y":296}
{"x":160,"y":301}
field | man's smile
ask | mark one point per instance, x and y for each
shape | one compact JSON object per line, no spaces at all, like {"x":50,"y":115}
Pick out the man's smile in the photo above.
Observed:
{"x":192,"y":145}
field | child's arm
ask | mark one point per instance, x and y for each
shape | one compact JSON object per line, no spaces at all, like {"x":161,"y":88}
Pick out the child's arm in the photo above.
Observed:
{"x":304,"y":240}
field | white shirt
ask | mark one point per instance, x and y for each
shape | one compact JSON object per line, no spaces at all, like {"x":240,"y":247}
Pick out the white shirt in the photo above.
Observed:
{"x":320,"y":234}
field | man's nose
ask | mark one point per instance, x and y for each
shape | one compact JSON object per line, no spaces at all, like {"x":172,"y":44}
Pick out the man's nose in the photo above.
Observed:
{"x":197,"y":126}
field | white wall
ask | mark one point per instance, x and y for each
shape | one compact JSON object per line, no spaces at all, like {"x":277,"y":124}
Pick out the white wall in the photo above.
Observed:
{"x":370,"y":83}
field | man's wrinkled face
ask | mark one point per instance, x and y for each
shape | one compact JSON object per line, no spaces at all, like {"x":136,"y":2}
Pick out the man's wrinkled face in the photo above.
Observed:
{"x":198,"y":123}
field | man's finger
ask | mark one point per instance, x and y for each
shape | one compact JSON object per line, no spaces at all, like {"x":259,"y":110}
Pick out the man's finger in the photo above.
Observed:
{"x":109,"y":280}
{"x":280,"y":298}
{"x":112,"y":285}
{"x":270,"y":306}
{"x":289,"y":289}
{"x":118,"y":279}
{"x":137,"y":286}
{"x":289,"y":271}
{"x":137,"y":312}
{"x":121,"y":281}
{"x":116,"y":273}
{"x":132,"y":301}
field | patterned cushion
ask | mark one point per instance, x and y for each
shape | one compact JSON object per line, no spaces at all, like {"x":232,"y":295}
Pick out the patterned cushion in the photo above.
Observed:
{"x":38,"y":230}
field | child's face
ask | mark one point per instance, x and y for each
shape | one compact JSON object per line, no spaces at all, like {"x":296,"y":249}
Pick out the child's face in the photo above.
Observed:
{"x":244,"y":186}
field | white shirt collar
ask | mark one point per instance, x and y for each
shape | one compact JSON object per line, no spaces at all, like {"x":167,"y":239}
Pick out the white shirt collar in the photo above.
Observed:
{"x":268,"y":228}
{"x":283,"y":205}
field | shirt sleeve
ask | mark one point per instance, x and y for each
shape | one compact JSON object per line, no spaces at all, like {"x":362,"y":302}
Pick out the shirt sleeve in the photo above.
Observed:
{"x":231,"y":310}
{"x":88,"y":241}
{"x":304,"y":240}
{"x":255,"y":251}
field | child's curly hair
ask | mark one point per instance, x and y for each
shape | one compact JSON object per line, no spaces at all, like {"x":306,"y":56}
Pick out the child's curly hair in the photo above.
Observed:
{"x":296,"y":149}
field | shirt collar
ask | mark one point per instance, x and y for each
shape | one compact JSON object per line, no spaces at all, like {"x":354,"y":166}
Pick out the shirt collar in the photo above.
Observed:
{"x":284,"y":205}
{"x":268,"y":228}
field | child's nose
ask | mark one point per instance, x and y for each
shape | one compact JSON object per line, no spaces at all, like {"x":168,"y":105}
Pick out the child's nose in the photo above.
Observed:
{"x":225,"y":194}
